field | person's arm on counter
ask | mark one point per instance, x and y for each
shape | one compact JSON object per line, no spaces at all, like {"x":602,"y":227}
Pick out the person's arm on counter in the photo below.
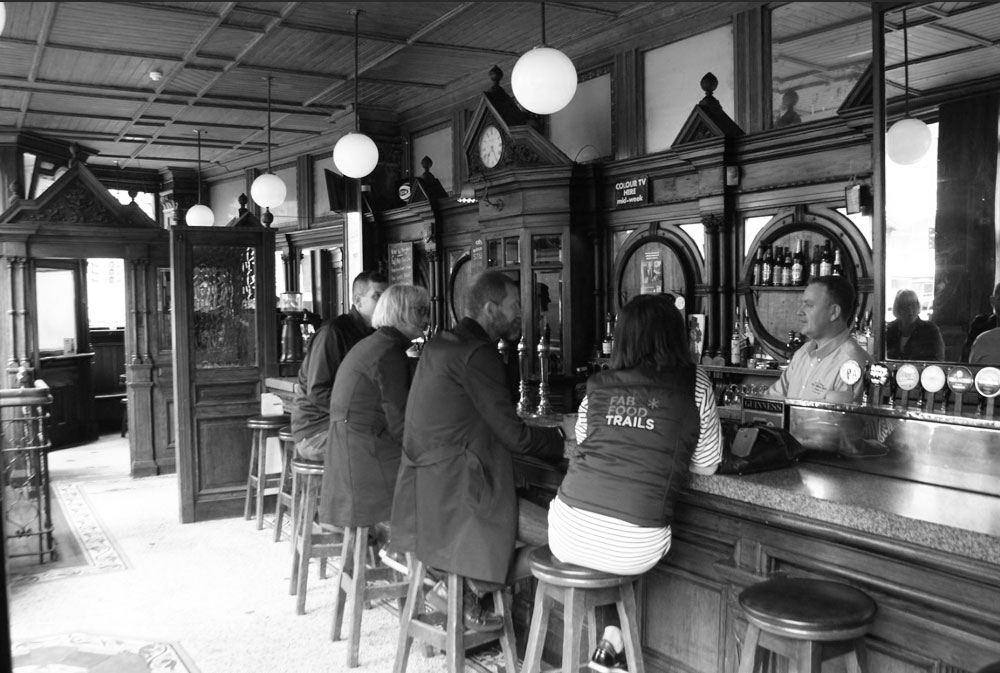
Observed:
{"x":708,"y":451}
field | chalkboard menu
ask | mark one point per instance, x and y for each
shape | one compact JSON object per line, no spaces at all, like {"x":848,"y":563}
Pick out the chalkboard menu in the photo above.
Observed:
{"x":401,"y":263}
{"x":477,"y":261}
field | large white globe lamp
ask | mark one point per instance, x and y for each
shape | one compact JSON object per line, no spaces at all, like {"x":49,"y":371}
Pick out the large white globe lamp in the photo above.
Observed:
{"x":543,"y":80}
{"x":907,"y":141}
{"x":268,"y":190}
{"x":199,"y":216}
{"x":355,"y":155}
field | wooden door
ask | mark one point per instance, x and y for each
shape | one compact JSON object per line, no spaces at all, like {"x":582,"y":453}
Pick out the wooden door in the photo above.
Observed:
{"x":224,"y":346}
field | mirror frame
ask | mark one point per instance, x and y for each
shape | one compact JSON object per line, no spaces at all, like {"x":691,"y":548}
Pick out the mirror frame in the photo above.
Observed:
{"x":878,"y":175}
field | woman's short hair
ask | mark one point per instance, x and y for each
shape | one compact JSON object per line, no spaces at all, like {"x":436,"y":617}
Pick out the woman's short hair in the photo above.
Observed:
{"x":905,"y":297}
{"x":651,"y":332}
{"x":401,"y":305}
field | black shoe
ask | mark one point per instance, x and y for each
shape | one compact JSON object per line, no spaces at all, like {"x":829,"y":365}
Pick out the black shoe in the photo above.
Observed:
{"x":474,"y":615}
{"x":606,"y":659}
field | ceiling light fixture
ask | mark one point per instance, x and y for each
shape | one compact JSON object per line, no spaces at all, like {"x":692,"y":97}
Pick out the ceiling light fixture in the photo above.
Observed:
{"x":268,"y":190}
{"x":156,"y":75}
{"x":199,"y":215}
{"x":908,"y":139}
{"x":543,"y":79}
{"x":355,"y":154}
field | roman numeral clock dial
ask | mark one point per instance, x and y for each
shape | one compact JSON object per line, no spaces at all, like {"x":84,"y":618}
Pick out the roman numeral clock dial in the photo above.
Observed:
{"x":490,"y":146}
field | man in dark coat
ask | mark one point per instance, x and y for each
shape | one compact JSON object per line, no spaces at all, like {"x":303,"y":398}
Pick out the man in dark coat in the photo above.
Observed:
{"x":455,"y":504}
{"x":326,"y":350}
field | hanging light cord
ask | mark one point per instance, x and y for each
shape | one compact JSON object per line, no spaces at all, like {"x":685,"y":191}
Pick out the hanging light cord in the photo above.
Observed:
{"x":357,"y":118}
{"x":268,"y":123}
{"x":906,"y":69}
{"x":543,"y":24}
{"x":198,"y":133}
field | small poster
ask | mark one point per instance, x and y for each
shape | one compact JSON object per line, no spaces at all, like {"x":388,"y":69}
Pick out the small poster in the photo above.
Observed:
{"x":401,"y":263}
{"x":652,"y":273}
{"x":696,"y":335}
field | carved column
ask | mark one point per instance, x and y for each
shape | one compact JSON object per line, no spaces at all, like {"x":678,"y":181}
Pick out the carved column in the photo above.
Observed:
{"x":715,"y":334}
{"x":435,"y":273}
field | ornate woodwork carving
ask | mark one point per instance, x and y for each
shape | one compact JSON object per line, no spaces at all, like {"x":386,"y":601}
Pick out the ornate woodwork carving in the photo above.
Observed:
{"x":76,"y":204}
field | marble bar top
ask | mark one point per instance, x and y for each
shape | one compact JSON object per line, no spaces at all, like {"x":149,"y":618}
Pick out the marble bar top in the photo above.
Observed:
{"x":949,"y":520}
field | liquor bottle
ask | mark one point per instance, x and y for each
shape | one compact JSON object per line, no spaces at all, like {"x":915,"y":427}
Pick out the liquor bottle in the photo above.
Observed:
{"x":786,"y":270}
{"x":815,"y":262}
{"x":748,"y":341}
{"x":777,"y":265}
{"x":838,"y":267}
{"x":826,"y":261}
{"x":736,"y":343}
{"x":866,"y":334}
{"x":767,"y":268}
{"x":758,"y":264}
{"x":609,"y":336}
{"x":798,"y":264}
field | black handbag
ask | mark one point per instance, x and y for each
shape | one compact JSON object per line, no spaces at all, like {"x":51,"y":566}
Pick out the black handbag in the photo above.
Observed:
{"x":756,"y":447}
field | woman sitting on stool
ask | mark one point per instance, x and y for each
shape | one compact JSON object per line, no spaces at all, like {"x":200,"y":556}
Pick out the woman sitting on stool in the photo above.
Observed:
{"x":367,"y":406}
{"x":643,"y":425}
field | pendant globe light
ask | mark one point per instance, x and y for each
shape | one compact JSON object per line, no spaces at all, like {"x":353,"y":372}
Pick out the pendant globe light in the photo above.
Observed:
{"x":355,"y":154}
{"x":908,"y":139}
{"x":543,"y":79}
{"x":268,"y":190}
{"x":3,"y":16}
{"x":199,"y":215}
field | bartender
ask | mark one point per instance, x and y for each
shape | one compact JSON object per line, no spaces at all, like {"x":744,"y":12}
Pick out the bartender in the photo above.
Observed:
{"x":814,"y":371}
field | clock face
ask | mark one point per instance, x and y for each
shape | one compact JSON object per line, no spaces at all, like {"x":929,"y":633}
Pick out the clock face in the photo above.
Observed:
{"x":490,"y":146}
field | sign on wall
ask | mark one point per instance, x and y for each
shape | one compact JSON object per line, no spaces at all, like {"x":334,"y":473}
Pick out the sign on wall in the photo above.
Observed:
{"x":401,"y":263}
{"x":631,"y":192}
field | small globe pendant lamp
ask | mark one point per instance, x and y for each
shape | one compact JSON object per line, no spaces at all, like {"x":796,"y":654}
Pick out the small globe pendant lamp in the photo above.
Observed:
{"x":268,"y":190}
{"x":543,"y":79}
{"x":355,"y":154}
{"x":3,"y":16}
{"x":199,"y":215}
{"x":908,"y":140}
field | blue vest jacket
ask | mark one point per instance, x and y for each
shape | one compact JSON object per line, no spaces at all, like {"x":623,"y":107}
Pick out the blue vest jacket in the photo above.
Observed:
{"x":642,"y":426}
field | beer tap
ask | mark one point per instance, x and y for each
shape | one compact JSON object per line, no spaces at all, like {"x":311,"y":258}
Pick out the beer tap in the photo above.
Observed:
{"x":544,"y":408}
{"x":523,"y":404}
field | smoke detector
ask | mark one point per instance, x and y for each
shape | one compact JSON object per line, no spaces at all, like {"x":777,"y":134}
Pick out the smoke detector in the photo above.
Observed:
{"x":155,"y":75}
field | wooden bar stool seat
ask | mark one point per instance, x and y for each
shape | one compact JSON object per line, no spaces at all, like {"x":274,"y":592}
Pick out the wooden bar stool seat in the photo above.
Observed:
{"x":361,"y":581}
{"x":447,"y":632}
{"x":310,"y":541}
{"x":284,"y":501}
{"x":806,"y":620}
{"x":580,"y":591}
{"x":258,"y":481}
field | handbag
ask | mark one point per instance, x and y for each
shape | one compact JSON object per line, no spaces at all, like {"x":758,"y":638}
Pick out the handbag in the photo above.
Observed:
{"x":757,"y":447}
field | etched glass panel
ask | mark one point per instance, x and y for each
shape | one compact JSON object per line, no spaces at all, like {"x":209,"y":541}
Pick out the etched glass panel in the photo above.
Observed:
{"x":225,"y":307}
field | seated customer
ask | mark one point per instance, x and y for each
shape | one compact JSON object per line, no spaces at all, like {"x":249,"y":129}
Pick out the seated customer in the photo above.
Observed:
{"x":643,"y":425}
{"x":986,"y":348}
{"x":814,"y":370}
{"x":455,"y":505}
{"x":983,"y":322}
{"x":367,"y":407}
{"x":909,"y":337}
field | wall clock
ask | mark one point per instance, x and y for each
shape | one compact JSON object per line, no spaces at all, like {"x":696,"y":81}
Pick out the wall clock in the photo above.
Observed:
{"x":490,"y":146}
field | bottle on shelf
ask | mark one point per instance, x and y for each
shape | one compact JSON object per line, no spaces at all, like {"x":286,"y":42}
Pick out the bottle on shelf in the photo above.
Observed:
{"x":736,"y":343}
{"x":866,"y":334}
{"x":786,"y":269}
{"x":609,"y":336}
{"x":814,"y":263}
{"x":748,"y":341}
{"x":798,"y":265}
{"x":767,"y":268}
{"x":826,"y":260}
{"x":838,"y":267}
{"x":758,"y":264}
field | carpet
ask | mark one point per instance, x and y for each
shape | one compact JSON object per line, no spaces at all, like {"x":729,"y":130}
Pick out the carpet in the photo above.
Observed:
{"x":87,"y":653}
{"x":83,"y":545}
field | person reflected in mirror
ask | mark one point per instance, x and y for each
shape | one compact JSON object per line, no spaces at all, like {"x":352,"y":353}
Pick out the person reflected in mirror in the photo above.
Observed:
{"x":986,"y":348}
{"x":910,"y":337}
{"x":788,"y":116}
{"x":983,"y":322}
{"x":813,"y":373}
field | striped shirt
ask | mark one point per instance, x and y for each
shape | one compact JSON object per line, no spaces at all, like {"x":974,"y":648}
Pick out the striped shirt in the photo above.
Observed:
{"x":582,"y":537}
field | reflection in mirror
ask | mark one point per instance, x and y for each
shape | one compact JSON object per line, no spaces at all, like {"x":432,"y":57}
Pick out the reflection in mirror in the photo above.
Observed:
{"x":941,"y":221}
{"x":55,"y":289}
{"x":548,"y":308}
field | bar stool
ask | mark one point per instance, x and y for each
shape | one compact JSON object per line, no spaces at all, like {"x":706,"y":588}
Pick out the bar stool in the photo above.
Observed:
{"x":356,"y":582}
{"x":308,"y":543}
{"x":580,"y":591}
{"x":451,"y":637}
{"x":806,"y":620}
{"x":258,"y":481}
{"x":284,"y":501}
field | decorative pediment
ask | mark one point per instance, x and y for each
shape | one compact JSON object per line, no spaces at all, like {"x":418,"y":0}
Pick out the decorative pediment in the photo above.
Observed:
{"x":244,"y":217}
{"x":707,"y":120}
{"x":77,"y":197}
{"x":859,"y":98}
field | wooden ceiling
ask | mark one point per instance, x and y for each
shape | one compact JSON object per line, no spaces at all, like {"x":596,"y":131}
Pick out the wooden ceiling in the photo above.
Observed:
{"x":80,"y":71}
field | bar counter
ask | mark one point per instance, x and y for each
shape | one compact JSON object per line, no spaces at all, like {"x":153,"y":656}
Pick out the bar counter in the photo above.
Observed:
{"x":928,"y":555}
